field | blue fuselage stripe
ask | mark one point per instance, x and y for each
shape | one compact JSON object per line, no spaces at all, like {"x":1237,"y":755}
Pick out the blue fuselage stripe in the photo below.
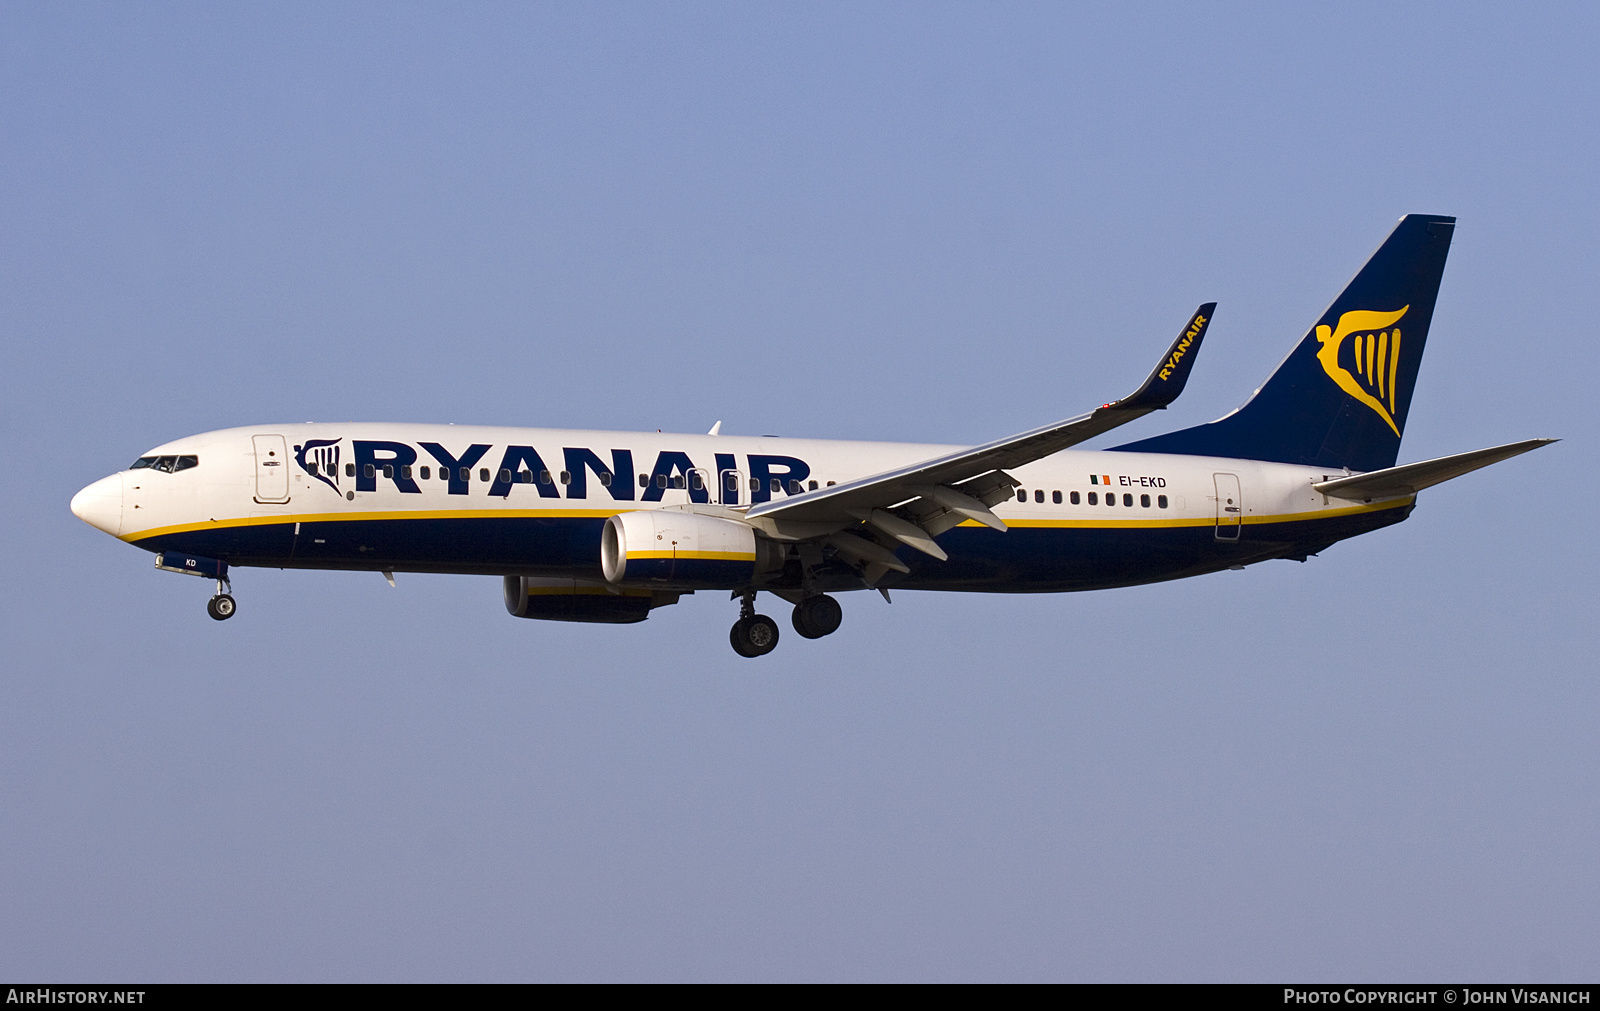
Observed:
{"x":1022,"y":560}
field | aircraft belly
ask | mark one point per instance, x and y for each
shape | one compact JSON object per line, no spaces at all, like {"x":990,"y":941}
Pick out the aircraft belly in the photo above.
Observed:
{"x":1053,"y":559}
{"x":491,"y":545}
{"x":1025,"y":559}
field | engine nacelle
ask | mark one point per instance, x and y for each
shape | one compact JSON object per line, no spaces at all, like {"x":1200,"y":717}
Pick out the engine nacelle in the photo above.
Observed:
{"x":691,"y":551}
{"x":580,"y":600}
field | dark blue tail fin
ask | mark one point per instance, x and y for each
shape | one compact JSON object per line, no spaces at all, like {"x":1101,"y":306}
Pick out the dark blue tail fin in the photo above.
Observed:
{"x":1340,"y":399}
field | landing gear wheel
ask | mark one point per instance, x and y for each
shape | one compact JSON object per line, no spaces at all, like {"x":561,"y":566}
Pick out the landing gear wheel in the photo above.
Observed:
{"x":815,"y":617}
{"x":221,"y":607}
{"x":754,"y":636}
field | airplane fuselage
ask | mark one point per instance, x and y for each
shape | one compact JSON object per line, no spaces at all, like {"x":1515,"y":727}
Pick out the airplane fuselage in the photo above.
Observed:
{"x":533,"y":502}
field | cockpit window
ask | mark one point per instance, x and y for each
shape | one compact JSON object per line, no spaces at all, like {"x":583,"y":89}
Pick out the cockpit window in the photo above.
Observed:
{"x":166,"y":464}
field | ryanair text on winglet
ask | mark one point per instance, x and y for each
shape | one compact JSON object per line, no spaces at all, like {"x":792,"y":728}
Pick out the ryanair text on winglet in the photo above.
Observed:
{"x":1195,"y":326}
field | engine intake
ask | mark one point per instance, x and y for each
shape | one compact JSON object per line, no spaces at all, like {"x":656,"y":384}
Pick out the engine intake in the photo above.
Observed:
{"x":669,"y":547}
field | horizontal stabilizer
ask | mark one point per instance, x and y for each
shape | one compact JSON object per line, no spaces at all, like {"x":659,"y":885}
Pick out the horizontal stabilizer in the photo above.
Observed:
{"x":1413,"y":477}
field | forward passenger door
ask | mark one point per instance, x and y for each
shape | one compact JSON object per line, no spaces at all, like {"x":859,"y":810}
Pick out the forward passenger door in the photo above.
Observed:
{"x":272,"y":468}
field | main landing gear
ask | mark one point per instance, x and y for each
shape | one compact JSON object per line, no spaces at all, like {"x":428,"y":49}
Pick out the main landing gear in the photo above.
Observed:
{"x":222,"y":606}
{"x":815,"y":617}
{"x":757,"y":635}
{"x":753,"y":634}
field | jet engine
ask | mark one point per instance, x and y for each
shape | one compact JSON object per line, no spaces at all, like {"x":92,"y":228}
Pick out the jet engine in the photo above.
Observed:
{"x":684,"y":550}
{"x":581,"y":600}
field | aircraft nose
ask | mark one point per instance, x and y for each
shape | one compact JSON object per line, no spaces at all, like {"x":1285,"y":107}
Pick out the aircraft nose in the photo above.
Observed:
{"x":100,"y":504}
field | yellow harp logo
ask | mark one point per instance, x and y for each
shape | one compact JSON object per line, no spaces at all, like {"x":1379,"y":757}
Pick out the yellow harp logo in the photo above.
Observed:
{"x":1374,"y":361}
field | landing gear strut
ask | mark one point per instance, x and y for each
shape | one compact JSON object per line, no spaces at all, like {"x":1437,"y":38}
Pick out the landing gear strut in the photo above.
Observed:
{"x":222,"y":606}
{"x":815,"y":617}
{"x":753,"y":634}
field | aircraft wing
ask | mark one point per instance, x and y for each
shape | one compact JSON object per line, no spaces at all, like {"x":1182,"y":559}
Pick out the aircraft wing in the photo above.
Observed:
{"x":964,"y":484}
{"x":1410,"y":478}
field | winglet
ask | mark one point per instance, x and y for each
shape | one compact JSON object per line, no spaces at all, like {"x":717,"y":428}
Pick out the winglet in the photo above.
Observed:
{"x":1166,"y":382}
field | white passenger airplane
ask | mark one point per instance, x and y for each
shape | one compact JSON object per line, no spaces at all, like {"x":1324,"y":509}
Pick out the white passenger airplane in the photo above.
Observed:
{"x":605,"y":526}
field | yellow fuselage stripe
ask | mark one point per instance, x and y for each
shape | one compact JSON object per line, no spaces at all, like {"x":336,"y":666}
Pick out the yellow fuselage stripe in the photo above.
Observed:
{"x":712,"y":556}
{"x":498,"y":514}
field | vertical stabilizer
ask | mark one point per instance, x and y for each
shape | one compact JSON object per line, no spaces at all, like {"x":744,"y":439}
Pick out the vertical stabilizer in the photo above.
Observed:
{"x":1341,"y":397}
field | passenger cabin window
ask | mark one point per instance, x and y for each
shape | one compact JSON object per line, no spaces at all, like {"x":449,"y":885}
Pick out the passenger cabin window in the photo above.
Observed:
{"x":505,"y":475}
{"x":644,"y":480}
{"x":566,"y":477}
{"x":349,"y":470}
{"x":1022,"y":494}
{"x":695,"y":480}
{"x":388,"y":471}
{"x":466,"y":473}
{"x":794,"y":488}
{"x":427,"y":472}
{"x":813,"y":486}
{"x":1144,"y":500}
{"x":483,"y":473}
{"x":544,"y":477}
{"x":661,"y":480}
{"x":405,"y":471}
{"x":1038,"y":495}
{"x":1094,"y":498}
{"x":605,"y":479}
{"x":1055,"y":497}
{"x":777,"y":486}
{"x":755,"y":484}
{"x":1161,"y":500}
{"x":1074,"y":498}
{"x":1127,"y":500}
{"x":730,"y":481}
{"x":369,"y":471}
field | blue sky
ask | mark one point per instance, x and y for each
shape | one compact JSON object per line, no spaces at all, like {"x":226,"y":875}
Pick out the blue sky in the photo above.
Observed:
{"x":913,"y":222}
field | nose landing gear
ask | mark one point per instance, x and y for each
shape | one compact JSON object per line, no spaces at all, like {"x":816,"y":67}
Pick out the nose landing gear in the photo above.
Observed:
{"x":222,"y":606}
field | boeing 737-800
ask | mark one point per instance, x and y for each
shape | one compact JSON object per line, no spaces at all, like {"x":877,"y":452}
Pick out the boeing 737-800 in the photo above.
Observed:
{"x":602,"y":526}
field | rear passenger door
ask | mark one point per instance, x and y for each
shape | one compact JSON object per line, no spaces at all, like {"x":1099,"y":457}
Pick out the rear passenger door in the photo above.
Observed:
{"x":1230,"y":507}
